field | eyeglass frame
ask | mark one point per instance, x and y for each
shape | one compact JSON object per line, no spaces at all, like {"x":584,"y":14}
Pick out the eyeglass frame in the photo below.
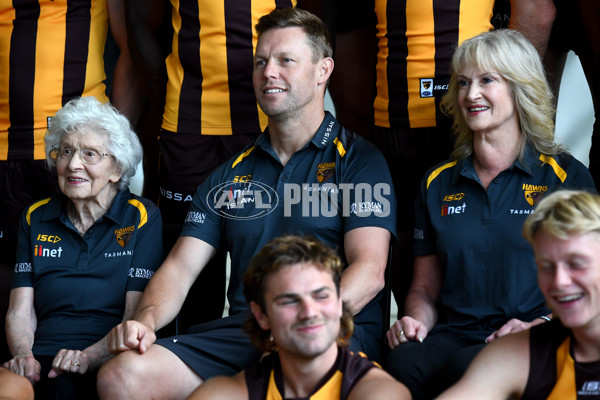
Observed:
{"x":56,"y":154}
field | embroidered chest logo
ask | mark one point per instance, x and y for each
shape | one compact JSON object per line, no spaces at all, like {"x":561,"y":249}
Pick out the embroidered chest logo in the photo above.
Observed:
{"x":325,"y":171}
{"x":123,"y":235}
{"x":534,"y":193}
{"x":454,"y":208}
{"x":590,"y":388}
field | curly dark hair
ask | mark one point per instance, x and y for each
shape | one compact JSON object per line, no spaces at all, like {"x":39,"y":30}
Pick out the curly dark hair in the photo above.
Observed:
{"x":280,"y":253}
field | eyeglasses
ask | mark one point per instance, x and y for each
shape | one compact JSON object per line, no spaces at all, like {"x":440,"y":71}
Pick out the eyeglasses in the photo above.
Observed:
{"x":88,"y":156}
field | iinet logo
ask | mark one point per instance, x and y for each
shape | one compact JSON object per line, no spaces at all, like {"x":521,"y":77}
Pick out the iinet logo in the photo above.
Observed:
{"x":447,"y":210}
{"x":41,"y":251}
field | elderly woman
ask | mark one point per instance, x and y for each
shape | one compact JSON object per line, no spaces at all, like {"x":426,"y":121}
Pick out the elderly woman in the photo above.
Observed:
{"x":474,"y":274}
{"x":84,"y":257}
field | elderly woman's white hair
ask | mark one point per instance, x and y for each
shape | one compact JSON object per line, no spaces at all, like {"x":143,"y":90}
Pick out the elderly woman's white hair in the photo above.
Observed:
{"x":87,"y":114}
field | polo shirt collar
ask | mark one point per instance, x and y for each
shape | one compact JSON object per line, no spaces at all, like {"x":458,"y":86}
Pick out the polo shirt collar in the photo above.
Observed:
{"x":57,"y":207}
{"x":466,"y":168}
{"x":325,"y":135}
{"x":327,"y":132}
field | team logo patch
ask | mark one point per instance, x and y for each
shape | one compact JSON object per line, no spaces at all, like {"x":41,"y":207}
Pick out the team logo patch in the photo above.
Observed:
{"x":325,"y":171}
{"x":123,"y":235}
{"x":533,"y":197}
{"x":534,"y":193}
{"x":426,"y":87}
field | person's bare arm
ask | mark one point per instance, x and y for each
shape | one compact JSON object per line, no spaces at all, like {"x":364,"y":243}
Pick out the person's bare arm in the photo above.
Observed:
{"x":366,"y":251}
{"x":164,"y":295}
{"x":21,"y":323}
{"x":420,"y":313}
{"x":126,"y":94}
{"x":378,"y":384}
{"x":147,"y":35}
{"x":222,"y":388}
{"x":534,"y":19}
{"x":499,"y":371}
{"x":91,"y":358}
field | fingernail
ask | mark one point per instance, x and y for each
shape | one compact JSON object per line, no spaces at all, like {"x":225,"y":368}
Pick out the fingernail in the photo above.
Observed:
{"x":420,"y":339}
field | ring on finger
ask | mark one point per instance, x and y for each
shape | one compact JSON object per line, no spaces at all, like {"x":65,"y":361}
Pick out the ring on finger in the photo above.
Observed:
{"x":400,"y":334}
{"x":74,"y":364}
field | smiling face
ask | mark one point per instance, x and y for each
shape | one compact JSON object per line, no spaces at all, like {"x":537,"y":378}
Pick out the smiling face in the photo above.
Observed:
{"x":303,"y":310}
{"x":569,"y":277}
{"x":485,"y":100}
{"x":81,"y":181}
{"x":286,"y":80}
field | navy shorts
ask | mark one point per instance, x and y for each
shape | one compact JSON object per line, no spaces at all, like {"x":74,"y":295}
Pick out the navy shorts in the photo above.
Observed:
{"x":214,"y":348}
{"x":221,"y":347}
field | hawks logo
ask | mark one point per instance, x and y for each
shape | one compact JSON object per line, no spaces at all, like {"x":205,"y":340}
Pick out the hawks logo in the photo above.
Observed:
{"x":534,"y":193}
{"x":123,"y":235}
{"x":533,"y":197}
{"x":426,"y":87}
{"x":325,"y":171}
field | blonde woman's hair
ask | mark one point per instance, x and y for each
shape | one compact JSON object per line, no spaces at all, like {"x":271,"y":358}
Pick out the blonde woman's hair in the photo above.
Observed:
{"x":514,"y":58}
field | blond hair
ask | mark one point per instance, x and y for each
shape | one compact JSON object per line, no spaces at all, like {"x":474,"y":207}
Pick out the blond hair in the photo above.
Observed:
{"x":564,"y":213}
{"x":515,"y":59}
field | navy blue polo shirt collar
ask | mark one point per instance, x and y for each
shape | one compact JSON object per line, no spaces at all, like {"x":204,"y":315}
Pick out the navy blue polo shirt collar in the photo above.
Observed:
{"x":466,"y":168}
{"x":57,"y":206}
{"x":326,"y":134}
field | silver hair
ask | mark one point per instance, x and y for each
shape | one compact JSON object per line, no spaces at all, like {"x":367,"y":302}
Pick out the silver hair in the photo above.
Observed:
{"x":87,"y":114}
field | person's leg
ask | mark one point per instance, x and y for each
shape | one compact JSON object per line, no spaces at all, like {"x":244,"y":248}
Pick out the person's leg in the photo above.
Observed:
{"x":158,"y":373}
{"x":454,"y":368}
{"x":416,"y":364}
{"x":65,"y":386}
{"x":14,"y":387}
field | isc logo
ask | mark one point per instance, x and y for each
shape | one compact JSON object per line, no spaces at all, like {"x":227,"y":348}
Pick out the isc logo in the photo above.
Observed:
{"x":243,"y":178}
{"x":48,"y":238}
{"x":454,"y":197}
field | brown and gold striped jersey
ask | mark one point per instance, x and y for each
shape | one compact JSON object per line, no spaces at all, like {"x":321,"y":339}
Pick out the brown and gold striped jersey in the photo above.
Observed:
{"x":209,"y":88}
{"x":416,"y":41}
{"x":50,"y":52}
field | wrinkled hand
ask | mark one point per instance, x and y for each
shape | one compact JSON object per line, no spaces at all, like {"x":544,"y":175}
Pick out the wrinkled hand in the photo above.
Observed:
{"x":130,"y":335}
{"x":512,"y":326}
{"x":73,"y":361}
{"x":405,"y":330}
{"x":26,"y":366}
